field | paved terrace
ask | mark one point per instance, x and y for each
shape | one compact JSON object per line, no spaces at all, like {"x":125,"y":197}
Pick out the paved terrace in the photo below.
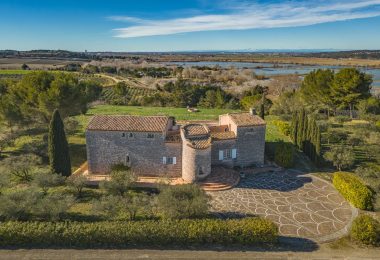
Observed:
{"x":300,"y":204}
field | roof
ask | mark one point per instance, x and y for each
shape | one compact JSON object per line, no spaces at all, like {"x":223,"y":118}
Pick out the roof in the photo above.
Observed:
{"x":221,"y":133}
{"x":201,"y":142}
{"x":246,"y":119}
{"x":128,"y":123}
{"x":197,"y":135}
{"x":195,"y":129}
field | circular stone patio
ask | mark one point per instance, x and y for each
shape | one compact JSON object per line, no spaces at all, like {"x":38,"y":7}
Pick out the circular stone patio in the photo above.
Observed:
{"x":300,"y":204}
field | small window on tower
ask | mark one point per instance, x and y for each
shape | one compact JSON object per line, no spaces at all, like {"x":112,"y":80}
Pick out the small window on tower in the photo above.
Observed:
{"x":130,"y":135}
{"x":150,"y":136}
{"x":123,"y":135}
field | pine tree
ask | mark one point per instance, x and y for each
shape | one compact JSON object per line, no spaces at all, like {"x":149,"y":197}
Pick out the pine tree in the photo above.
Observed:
{"x":58,"y":148}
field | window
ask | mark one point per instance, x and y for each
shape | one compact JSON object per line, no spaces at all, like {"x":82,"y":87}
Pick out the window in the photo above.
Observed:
{"x":169,"y":160}
{"x":127,"y":160}
{"x":227,"y":154}
{"x":130,"y":135}
{"x":123,"y":135}
{"x":150,"y":135}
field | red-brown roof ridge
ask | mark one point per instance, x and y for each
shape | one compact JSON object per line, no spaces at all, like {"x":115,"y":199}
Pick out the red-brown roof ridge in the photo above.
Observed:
{"x":128,"y":123}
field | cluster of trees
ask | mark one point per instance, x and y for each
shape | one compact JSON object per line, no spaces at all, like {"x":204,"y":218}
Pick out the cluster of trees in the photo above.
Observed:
{"x":256,"y":98}
{"x":183,"y":93}
{"x":306,"y":135}
{"x":34,"y":98}
{"x":329,"y":91}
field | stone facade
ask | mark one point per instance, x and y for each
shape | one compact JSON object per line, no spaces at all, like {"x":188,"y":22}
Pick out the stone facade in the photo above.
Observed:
{"x":187,"y":151}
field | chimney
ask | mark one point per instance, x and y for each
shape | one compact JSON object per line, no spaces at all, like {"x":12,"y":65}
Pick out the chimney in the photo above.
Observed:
{"x":252,"y":111}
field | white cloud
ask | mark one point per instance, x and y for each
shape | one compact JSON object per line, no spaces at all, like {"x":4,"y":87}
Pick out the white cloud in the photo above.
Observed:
{"x":253,"y":16}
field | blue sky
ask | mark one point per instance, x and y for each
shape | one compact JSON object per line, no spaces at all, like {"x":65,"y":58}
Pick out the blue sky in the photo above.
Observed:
{"x":175,"y":25}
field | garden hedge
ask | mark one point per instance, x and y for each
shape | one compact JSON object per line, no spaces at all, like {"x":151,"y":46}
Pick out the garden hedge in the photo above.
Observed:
{"x":283,"y":155}
{"x":366,"y":230}
{"x":247,"y":231}
{"x":353,"y":190}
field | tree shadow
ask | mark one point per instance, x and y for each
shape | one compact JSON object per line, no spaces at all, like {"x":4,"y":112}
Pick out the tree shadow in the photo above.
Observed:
{"x":284,"y":244}
{"x":279,"y":181}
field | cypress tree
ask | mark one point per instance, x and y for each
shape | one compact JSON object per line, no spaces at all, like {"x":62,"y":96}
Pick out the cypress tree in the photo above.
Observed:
{"x":300,"y":129}
{"x":294,"y":127}
{"x":318,"y":145}
{"x":262,"y":111}
{"x":305,"y":129}
{"x":58,"y":148}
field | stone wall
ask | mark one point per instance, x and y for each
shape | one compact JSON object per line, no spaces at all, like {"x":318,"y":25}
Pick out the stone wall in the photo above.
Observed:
{"x":194,"y":162}
{"x":222,"y":145}
{"x":250,"y":144}
{"x":106,"y":148}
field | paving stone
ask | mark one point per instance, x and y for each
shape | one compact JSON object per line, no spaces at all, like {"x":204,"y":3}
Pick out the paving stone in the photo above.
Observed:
{"x":300,"y":204}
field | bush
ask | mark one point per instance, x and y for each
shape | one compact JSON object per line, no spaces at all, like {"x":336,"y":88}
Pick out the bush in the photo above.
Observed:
{"x":77,"y":182}
{"x":182,"y":201}
{"x":248,"y":231}
{"x":132,"y":205}
{"x":121,"y":179}
{"x":353,"y":190}
{"x":283,"y":127}
{"x":46,"y":180}
{"x":30,"y":204}
{"x":284,"y":154}
{"x":341,"y":156}
{"x":365,"y":229}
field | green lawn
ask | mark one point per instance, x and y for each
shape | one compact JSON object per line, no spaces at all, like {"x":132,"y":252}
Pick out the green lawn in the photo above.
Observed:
{"x":178,"y":113}
{"x":14,"y":72}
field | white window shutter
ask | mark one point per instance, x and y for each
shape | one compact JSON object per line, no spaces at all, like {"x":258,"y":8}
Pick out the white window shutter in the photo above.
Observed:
{"x":233,"y":153}
{"x":220,"y":155}
{"x":174,"y":160}
{"x":164,"y":160}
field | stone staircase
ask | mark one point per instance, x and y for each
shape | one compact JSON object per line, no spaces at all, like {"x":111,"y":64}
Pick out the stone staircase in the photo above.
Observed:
{"x":220,"y":179}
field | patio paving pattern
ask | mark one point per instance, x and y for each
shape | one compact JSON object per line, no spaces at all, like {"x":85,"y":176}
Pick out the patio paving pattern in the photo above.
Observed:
{"x":301,"y":205}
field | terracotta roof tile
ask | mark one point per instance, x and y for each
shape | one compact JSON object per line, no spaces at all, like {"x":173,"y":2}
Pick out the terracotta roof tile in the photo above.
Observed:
{"x":221,"y":133}
{"x":246,"y":119}
{"x":195,"y":129}
{"x":202,"y":142}
{"x":128,"y":123}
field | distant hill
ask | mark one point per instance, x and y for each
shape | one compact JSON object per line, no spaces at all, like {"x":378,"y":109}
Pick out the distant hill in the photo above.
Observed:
{"x":63,"y":54}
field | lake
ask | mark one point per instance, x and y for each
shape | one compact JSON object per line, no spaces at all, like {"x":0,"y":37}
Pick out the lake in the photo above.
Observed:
{"x":270,"y":69}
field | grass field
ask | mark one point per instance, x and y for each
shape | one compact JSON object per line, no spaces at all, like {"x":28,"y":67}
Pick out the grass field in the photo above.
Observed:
{"x":178,"y":113}
{"x":14,"y":72}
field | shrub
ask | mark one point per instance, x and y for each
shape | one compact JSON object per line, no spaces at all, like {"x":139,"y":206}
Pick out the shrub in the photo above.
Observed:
{"x":30,"y":204}
{"x":283,"y":127}
{"x":21,"y":167}
{"x":247,"y":231}
{"x":77,"y":182}
{"x":182,"y":201}
{"x":46,"y":180}
{"x":115,"y":207}
{"x":353,"y":190}
{"x":365,"y":229}
{"x":341,"y":156}
{"x":284,"y":154}
{"x":121,"y":179}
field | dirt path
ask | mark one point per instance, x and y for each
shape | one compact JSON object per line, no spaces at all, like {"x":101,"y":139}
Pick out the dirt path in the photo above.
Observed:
{"x":321,"y":253}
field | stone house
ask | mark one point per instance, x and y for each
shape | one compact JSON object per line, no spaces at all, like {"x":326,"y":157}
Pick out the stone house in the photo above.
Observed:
{"x":157,"y":146}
